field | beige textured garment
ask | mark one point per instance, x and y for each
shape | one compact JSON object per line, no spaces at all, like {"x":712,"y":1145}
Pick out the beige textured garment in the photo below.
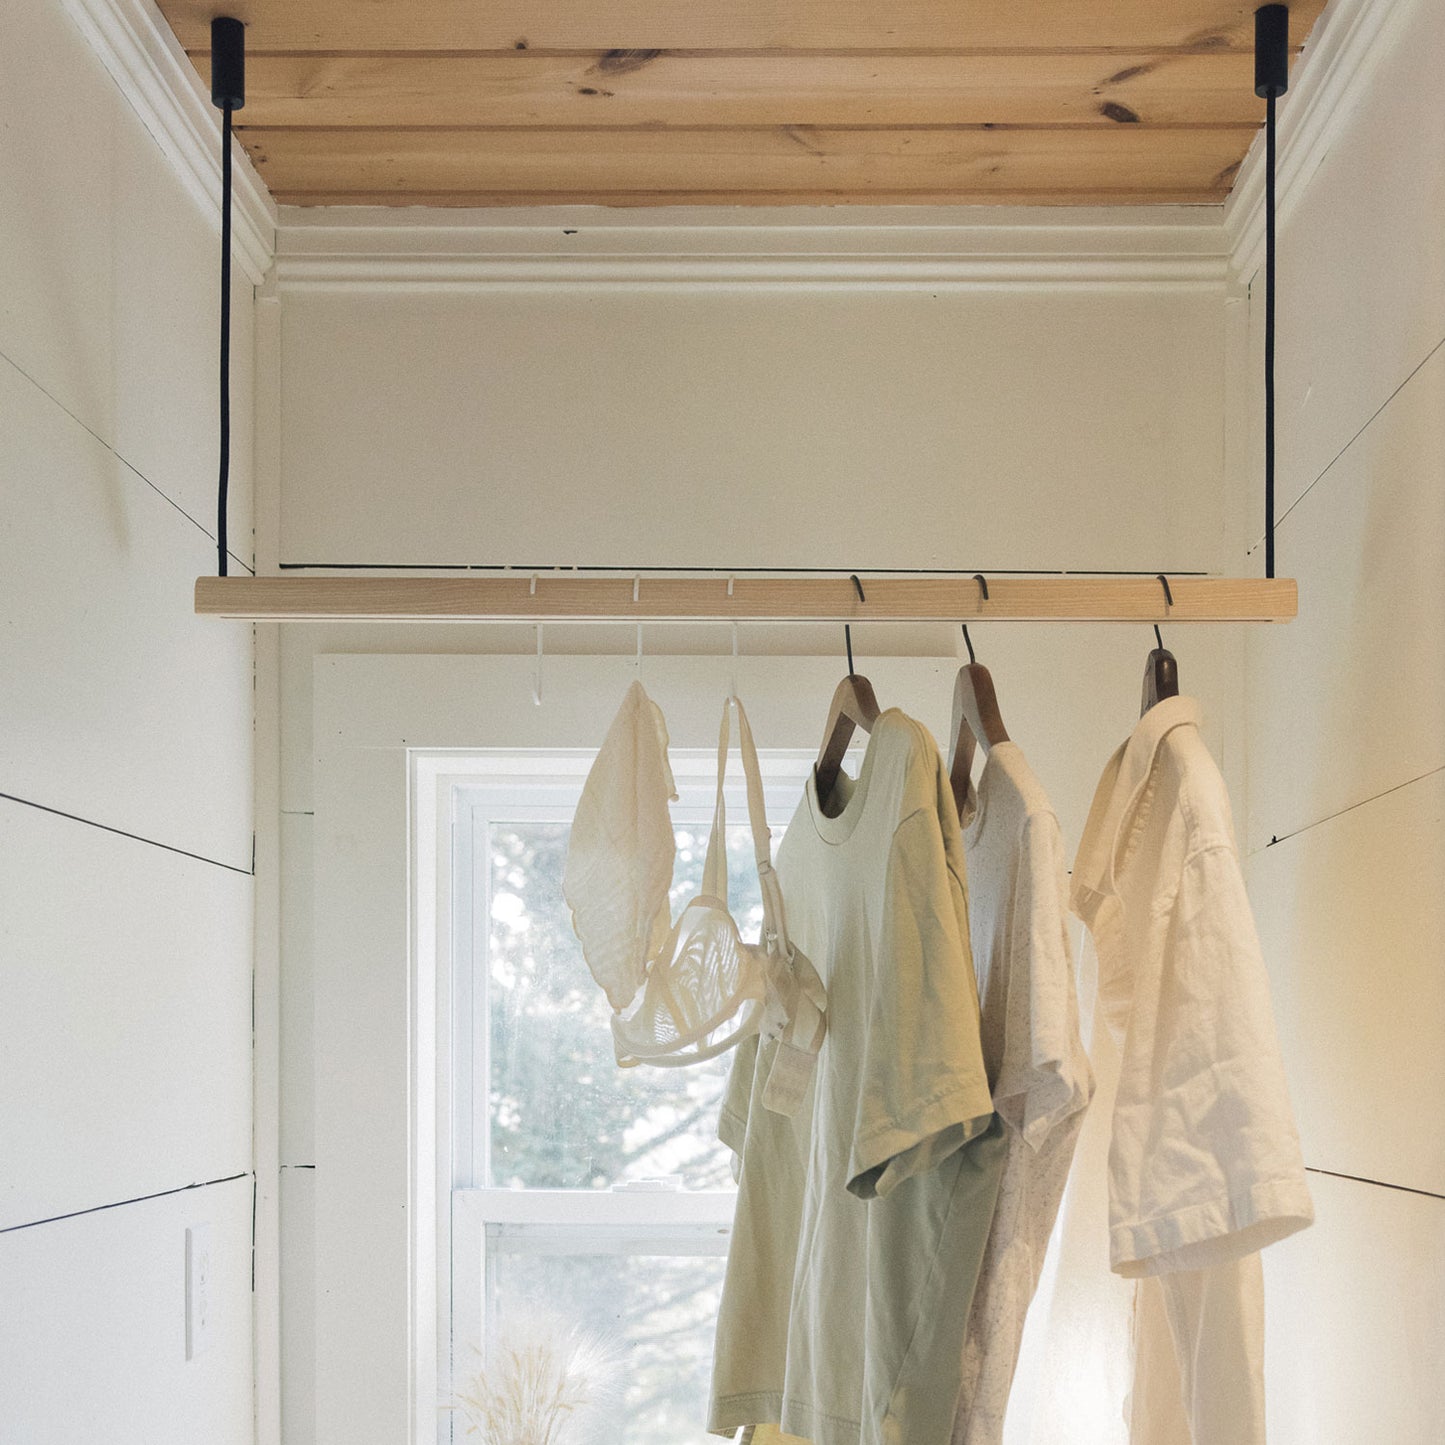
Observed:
{"x":1204,"y":1158}
{"x":860,"y":1225}
{"x":1018,"y":915}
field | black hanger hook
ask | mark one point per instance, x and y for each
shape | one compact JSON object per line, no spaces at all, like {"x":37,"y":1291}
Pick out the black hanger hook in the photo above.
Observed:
{"x":847,"y":630}
{"x":1159,"y":640}
{"x":1168,"y":595}
{"x":968,"y":643}
{"x":983,"y":584}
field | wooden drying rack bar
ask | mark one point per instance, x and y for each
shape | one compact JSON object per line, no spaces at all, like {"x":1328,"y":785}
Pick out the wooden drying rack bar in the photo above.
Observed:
{"x":570,"y":598}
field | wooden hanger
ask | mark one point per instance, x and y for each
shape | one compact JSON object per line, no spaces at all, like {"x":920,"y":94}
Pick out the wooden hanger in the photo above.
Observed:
{"x":976,"y":719}
{"x":854,"y":706}
{"x":1161,"y":675}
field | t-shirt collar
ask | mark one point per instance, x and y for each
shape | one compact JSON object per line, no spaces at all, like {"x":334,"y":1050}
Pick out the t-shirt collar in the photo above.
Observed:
{"x":1114,"y":801}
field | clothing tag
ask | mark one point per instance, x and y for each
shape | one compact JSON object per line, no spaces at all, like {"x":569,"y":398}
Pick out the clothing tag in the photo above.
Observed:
{"x":789,"y":1079}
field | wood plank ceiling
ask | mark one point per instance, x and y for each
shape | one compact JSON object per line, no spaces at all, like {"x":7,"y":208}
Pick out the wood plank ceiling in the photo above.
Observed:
{"x":748,"y":102}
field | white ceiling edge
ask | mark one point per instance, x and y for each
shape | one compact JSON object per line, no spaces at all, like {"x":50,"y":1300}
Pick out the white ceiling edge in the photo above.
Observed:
{"x":142,"y":55}
{"x":910,"y":246}
{"x":1328,"y":81}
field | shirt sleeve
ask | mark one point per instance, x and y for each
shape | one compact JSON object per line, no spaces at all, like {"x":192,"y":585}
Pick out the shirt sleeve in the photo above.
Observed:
{"x":1203,"y":1112}
{"x":1044,"y":1078}
{"x":923,"y":1091}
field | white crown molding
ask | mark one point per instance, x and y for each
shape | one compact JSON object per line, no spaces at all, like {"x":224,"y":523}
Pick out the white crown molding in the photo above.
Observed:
{"x":1328,"y":81}
{"x":908,"y":247}
{"x":146,"y":61}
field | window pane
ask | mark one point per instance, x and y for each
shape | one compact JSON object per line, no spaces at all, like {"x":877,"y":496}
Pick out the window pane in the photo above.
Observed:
{"x":562,"y":1114}
{"x":659,"y":1309}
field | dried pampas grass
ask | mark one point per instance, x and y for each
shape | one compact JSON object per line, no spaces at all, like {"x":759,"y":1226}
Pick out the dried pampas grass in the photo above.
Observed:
{"x":546,"y":1383}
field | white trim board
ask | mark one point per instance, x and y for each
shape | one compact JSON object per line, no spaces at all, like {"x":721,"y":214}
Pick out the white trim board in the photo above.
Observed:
{"x":144,"y":58}
{"x":792,"y":246}
{"x":1329,"y":80}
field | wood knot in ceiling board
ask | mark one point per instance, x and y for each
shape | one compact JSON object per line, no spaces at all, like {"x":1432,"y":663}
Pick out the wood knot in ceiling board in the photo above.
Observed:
{"x":1209,"y":40}
{"x":1131,"y":72}
{"x":621,"y":62}
{"x":1112,"y":110}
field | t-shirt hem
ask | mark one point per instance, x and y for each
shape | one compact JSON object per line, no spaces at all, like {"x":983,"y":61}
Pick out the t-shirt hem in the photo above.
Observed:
{"x":1213,"y":1233}
{"x":730,"y":1413}
{"x":817,"y":1426}
{"x":964,"y":1104}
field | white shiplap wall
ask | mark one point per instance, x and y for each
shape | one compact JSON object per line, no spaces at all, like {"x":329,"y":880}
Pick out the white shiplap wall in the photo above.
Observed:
{"x":1345,"y":751}
{"x":126,"y":770}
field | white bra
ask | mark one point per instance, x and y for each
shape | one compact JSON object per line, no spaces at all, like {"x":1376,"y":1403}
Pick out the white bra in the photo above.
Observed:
{"x":686,"y":991}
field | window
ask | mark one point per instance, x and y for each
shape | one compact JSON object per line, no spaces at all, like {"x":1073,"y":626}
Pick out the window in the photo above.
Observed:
{"x":582,"y":1192}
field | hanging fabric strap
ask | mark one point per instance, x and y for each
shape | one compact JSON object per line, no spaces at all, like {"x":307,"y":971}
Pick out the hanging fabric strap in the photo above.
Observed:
{"x":715,"y":869}
{"x":795,"y":1003}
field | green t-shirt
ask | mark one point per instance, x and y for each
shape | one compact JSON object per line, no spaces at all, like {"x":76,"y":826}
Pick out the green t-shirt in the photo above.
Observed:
{"x":861,"y":1222}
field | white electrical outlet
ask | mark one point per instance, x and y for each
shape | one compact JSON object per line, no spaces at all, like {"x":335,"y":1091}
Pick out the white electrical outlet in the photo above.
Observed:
{"x":198,"y":1289}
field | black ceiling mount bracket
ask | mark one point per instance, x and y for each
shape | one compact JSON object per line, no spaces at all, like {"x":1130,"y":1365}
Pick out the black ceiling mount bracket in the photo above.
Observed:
{"x":228,"y":93}
{"x":1271,"y":80}
{"x":1271,"y":50}
{"x":228,"y":63}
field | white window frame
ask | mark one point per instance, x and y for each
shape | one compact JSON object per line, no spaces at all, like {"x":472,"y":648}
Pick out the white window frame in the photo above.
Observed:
{"x":524,"y":786}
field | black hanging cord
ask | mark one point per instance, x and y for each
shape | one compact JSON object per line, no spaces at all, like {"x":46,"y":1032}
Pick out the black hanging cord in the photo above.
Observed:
{"x":1271,"y":79}
{"x":968,"y":643}
{"x":228,"y":94}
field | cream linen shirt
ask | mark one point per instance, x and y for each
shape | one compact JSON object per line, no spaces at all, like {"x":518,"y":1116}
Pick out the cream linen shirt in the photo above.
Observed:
{"x":861,"y":1222}
{"x":1204,"y":1159}
{"x":1042,"y":1082}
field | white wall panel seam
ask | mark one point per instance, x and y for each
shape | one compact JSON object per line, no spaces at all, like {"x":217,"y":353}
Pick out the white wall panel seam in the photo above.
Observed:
{"x":122,"y":833}
{"x":122,"y":1203}
{"x":1368,"y":422}
{"x":121,"y":458}
{"x":1374,"y":1183}
{"x":1277,"y":839}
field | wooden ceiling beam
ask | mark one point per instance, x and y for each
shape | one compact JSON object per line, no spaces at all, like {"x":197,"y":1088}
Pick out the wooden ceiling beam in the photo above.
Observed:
{"x":785,"y":25}
{"x":965,"y":164}
{"x":300,"y":91}
{"x":642,"y":200}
